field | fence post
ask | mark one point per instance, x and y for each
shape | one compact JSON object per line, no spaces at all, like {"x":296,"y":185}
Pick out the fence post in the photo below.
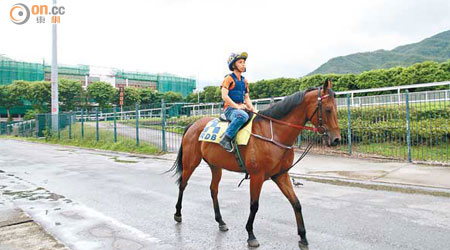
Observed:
{"x":70,"y":125}
{"x":163,"y":125}
{"x":82,"y":123}
{"x":349,"y":129}
{"x":58,"y":116}
{"x":97,"y":136}
{"x":408,"y":130}
{"x":137,"y":124}
{"x":115,"y":125}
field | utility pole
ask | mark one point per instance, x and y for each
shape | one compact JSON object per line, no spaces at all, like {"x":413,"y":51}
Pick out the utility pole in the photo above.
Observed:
{"x":55,"y":103}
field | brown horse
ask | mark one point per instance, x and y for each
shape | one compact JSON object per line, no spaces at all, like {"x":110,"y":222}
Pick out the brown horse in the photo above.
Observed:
{"x":264,"y":160}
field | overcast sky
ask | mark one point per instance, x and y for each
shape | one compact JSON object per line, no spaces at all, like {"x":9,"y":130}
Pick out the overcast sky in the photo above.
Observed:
{"x":284,"y":38}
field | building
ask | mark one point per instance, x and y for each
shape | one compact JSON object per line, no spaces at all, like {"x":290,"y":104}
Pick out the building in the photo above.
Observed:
{"x":11,"y":70}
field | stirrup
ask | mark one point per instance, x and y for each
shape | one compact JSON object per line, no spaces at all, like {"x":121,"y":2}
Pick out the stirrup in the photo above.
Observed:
{"x":230,"y":142}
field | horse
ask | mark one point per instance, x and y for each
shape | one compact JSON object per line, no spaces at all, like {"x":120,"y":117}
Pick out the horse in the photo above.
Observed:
{"x":264,"y":159}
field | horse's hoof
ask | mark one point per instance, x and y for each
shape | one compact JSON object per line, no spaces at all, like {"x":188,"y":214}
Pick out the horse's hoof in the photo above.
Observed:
{"x":253,"y":243}
{"x":303,"y":245}
{"x":177,"y":218}
{"x":223,"y":228}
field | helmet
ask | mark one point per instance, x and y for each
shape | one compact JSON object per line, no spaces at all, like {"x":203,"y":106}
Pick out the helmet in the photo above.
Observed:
{"x":234,"y":57}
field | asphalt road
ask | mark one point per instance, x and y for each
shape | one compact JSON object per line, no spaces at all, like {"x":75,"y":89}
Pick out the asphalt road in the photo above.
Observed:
{"x":97,"y":200}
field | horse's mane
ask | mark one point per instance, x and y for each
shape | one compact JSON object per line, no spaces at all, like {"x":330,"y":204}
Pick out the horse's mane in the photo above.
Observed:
{"x":281,"y":109}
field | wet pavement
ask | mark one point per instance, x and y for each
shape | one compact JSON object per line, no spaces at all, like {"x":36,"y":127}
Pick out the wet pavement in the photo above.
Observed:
{"x":98,"y":200}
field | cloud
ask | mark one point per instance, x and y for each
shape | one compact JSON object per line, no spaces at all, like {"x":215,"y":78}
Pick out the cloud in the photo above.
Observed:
{"x":284,"y":38}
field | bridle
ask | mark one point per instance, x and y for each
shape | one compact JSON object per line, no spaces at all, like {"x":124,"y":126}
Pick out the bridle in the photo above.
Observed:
{"x":320,"y":129}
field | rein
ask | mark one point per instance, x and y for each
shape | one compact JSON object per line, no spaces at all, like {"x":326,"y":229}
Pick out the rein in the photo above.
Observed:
{"x":320,"y":129}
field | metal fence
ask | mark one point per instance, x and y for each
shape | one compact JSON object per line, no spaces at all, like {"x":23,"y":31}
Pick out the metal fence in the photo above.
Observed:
{"x":23,"y":128}
{"x":405,"y":126}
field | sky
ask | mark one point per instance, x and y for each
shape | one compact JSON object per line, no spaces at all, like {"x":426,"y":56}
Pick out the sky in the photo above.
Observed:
{"x":284,"y":38}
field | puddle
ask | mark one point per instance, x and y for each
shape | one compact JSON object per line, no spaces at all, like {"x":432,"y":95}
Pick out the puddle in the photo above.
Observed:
{"x":32,"y":195}
{"x":116,"y":159}
{"x":66,"y":150}
{"x":363,"y":175}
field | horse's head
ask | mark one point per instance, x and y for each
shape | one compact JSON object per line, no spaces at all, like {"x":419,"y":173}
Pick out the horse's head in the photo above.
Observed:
{"x":322,"y":112}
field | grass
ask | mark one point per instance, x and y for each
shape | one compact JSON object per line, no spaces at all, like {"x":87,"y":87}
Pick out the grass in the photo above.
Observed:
{"x":400,"y":151}
{"x":106,"y":141}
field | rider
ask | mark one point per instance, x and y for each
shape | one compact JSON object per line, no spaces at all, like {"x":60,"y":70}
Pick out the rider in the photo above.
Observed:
{"x":235,"y":94}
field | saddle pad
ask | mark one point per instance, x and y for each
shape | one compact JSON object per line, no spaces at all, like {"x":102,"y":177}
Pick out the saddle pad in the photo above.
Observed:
{"x":214,"y":129}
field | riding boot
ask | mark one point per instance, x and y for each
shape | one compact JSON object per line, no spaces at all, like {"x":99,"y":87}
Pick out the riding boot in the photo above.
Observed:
{"x":225,"y":142}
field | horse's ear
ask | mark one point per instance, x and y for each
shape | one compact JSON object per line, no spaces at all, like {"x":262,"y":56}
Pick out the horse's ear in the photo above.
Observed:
{"x":327,"y":84}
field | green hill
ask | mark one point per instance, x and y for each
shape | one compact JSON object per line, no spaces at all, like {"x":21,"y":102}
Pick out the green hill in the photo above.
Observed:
{"x":435,"y":48}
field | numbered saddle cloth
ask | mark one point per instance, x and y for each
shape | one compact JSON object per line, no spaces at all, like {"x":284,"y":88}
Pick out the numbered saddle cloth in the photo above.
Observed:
{"x":214,"y":130}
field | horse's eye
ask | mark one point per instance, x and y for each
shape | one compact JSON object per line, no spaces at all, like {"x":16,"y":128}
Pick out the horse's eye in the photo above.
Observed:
{"x":328,"y":111}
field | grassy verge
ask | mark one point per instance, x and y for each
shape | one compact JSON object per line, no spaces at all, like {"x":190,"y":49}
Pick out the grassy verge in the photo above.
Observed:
{"x":438,"y":153}
{"x":106,"y":141}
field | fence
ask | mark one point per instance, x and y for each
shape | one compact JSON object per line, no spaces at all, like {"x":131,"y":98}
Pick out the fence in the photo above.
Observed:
{"x":24,"y":128}
{"x":405,"y":126}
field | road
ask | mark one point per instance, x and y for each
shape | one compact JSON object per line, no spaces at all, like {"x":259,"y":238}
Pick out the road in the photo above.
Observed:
{"x":97,"y":200}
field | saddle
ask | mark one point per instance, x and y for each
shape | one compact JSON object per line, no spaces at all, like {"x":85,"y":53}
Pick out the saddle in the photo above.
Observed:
{"x":214,"y":130}
{"x":223,"y":118}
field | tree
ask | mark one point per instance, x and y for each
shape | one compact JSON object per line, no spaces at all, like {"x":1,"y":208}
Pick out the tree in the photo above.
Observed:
{"x":39,"y":95}
{"x":170,"y":97}
{"x":5,"y":99}
{"x":70,"y":92}
{"x":12,"y":96}
{"x":131,"y":96}
{"x":212,"y":94}
{"x":192,"y":98}
{"x":102,"y":93}
{"x":147,"y":96}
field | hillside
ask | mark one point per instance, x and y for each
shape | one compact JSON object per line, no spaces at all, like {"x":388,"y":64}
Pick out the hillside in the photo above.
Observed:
{"x":435,"y":48}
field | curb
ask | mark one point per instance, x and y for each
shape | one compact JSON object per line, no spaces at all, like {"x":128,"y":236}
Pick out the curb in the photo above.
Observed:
{"x":19,"y":231}
{"x":376,"y":185}
{"x":371,"y":184}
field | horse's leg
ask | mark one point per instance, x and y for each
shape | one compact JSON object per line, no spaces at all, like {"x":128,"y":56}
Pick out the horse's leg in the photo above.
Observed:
{"x":190,"y":160}
{"x":216,"y":176}
{"x":256,"y":182}
{"x":285,"y":185}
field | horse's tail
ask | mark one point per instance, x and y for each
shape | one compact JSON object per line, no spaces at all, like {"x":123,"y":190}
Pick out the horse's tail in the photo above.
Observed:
{"x":178,"y":164}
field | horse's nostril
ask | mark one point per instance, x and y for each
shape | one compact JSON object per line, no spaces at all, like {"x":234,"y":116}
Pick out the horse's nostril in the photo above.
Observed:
{"x":335,"y":141}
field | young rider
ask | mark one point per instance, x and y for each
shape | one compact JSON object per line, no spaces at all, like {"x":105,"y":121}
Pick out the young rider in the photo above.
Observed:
{"x":235,"y":94}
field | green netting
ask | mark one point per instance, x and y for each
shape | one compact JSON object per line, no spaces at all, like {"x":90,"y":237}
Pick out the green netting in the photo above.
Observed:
{"x":79,"y":70}
{"x":163,"y":83}
{"x":136,"y":76}
{"x":15,"y":111}
{"x":11,"y":70}
{"x":185,"y":86}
